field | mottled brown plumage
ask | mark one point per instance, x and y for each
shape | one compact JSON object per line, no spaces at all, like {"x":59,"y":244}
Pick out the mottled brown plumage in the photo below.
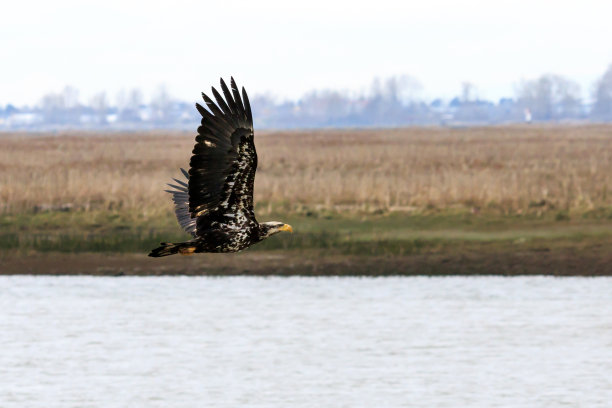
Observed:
{"x":215,"y":202}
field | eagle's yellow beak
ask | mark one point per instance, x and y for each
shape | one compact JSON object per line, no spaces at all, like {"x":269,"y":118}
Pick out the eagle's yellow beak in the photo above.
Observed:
{"x":286,"y":227}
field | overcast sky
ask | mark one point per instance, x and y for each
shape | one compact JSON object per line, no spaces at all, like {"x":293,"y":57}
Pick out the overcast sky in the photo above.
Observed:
{"x":286,"y":49}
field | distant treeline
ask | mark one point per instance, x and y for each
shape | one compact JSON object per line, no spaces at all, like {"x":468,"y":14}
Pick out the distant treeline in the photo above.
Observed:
{"x":390,"y":102}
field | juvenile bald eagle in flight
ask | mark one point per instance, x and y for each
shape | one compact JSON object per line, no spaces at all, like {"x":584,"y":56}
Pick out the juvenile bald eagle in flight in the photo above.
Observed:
{"x":215,"y":203}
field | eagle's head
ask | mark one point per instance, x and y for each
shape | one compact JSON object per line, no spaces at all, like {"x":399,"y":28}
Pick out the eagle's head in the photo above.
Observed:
{"x":269,"y":228}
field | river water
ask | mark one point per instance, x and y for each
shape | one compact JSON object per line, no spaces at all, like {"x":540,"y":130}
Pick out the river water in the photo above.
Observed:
{"x":305,"y":342}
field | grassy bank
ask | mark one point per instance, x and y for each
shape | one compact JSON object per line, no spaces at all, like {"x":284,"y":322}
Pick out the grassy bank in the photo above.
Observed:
{"x":324,"y":243}
{"x":336,"y":233}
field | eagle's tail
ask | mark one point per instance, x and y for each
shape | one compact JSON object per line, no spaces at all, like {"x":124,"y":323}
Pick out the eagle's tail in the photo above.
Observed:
{"x":169,"y":248}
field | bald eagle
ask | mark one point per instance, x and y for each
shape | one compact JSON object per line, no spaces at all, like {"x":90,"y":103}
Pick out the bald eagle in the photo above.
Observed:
{"x":215,"y":202}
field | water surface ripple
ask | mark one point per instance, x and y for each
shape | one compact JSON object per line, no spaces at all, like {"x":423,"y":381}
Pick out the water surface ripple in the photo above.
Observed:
{"x":305,"y":342}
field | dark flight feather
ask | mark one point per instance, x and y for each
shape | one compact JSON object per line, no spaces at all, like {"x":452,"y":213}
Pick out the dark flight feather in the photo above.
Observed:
{"x":228,"y":97}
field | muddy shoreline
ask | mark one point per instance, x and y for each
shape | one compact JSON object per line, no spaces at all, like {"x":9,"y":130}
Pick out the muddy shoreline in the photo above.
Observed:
{"x":592,"y":261}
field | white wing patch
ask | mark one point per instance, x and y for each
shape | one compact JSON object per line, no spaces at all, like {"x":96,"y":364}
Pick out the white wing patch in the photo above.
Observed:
{"x":180,"y":197}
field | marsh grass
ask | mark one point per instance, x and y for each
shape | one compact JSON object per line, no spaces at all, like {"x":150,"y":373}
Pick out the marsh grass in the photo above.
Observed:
{"x":505,"y":170}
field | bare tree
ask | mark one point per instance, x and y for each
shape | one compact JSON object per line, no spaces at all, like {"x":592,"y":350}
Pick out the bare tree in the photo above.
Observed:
{"x":53,"y":107}
{"x":567,"y":98}
{"x":128,"y":105}
{"x":401,"y":89}
{"x":550,"y":97}
{"x":602,"y":109}
{"x":161,"y":104}
{"x":468,"y":92}
{"x":71,"y":97}
{"x":391,"y":99}
{"x":99,"y":104}
{"x":324,"y":107}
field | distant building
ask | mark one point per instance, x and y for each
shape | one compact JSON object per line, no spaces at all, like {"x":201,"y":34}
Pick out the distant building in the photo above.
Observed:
{"x":527,"y":115}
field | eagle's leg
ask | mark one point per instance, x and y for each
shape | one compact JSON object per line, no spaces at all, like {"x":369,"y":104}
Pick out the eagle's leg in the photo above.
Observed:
{"x":187,"y":250}
{"x":170,"y":248}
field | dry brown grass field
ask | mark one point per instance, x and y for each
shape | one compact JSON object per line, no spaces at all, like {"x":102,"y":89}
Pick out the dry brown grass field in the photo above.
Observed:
{"x":510,"y":169}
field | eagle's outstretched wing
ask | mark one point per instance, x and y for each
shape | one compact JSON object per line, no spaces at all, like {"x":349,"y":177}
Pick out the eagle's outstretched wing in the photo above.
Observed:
{"x":224,"y":159}
{"x":222,"y":169}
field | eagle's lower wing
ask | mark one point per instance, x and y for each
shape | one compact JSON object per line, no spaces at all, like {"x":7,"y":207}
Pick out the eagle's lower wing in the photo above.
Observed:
{"x":222,"y":168}
{"x":180,"y":197}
